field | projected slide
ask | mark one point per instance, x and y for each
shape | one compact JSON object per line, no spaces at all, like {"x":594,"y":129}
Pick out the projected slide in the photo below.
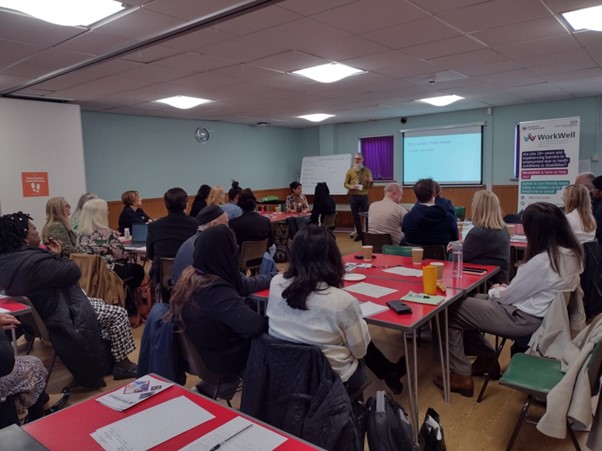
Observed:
{"x":450,"y":156}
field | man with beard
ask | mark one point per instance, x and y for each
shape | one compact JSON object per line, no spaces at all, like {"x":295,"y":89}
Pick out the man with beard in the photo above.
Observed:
{"x":358,"y":180}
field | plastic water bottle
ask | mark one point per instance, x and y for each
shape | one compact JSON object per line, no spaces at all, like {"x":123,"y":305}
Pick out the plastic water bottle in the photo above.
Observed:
{"x":126,"y":234}
{"x":457,"y":258}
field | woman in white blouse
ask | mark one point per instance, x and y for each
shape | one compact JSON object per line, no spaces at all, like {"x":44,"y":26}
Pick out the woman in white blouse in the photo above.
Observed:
{"x":551,"y":265}
{"x":578,"y":209}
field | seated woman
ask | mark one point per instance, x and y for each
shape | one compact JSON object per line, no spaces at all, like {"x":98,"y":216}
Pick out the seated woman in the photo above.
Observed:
{"x":296,"y":202}
{"x":323,"y":204}
{"x":200,"y":200}
{"x":132,"y":212}
{"x":578,"y":209}
{"x":24,"y":378}
{"x":95,"y":237}
{"x":307,"y":305}
{"x":551,"y":265}
{"x":76,"y":323}
{"x":217,"y":196}
{"x":78,"y":210}
{"x":58,"y":225}
{"x":208,"y":302}
{"x":231,"y":208}
{"x":488,"y":242}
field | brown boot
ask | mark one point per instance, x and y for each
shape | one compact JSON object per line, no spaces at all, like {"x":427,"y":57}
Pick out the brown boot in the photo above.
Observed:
{"x":483,"y":365}
{"x":458,"y":384}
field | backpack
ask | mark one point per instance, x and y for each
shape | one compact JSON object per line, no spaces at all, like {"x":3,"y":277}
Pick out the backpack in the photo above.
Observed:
{"x":387,"y":425}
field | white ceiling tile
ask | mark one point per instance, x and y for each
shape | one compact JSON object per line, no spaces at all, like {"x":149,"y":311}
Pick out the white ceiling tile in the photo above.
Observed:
{"x":519,"y":77}
{"x":258,"y":20}
{"x":343,"y":48}
{"x":562,"y":6}
{"x":240,"y":51}
{"x":541,"y":48}
{"x":45,"y":62}
{"x":289,"y":61}
{"x":412,"y":33}
{"x":12,"y":52}
{"x":150,"y":54}
{"x":188,"y":10}
{"x":140,"y":24}
{"x":310,"y":7}
{"x":198,"y":39}
{"x":541,"y":92}
{"x":521,"y":32}
{"x":366,"y":15}
{"x":22,"y":28}
{"x":444,"y":47}
{"x":437,"y":6}
{"x":95,"y":43}
{"x":7,"y":82}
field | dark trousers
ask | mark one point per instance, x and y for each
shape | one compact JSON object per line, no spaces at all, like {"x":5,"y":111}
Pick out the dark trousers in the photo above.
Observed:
{"x":358,"y":204}
{"x":378,"y":364}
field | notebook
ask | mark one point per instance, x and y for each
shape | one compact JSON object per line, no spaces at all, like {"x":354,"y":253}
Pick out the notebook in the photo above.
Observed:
{"x":139,"y":232}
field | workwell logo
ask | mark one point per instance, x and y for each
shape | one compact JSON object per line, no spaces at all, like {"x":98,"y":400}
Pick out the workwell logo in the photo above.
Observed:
{"x":529,"y":137}
{"x":549,"y":136}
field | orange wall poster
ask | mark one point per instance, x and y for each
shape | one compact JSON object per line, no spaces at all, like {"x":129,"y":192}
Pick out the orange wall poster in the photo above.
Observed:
{"x":35,"y":184}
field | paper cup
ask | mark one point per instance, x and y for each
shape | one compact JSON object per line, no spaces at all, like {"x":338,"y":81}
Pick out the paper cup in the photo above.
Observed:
{"x":367,"y":251}
{"x":439,"y":266}
{"x":417,"y":254}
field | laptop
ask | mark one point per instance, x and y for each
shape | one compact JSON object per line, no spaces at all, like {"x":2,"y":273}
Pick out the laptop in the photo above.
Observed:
{"x":139,"y":232}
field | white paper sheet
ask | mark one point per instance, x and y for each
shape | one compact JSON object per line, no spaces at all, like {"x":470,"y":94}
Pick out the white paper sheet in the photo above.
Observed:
{"x":153,"y":426}
{"x":401,"y":271}
{"x":255,"y":438}
{"x":133,"y":393}
{"x":518,"y":238}
{"x":370,"y":308}
{"x":368,"y":289}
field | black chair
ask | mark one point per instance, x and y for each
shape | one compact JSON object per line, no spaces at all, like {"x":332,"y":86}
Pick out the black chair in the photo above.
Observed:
{"x":251,"y":254}
{"x":164,"y":285}
{"x":376,"y":240}
{"x":213,"y":385}
{"x":330,"y":221}
{"x":432,"y":251}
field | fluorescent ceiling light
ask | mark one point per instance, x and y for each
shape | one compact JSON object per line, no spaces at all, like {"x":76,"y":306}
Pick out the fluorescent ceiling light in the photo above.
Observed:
{"x":183,"y":102}
{"x":442,"y":100}
{"x":585,"y":19}
{"x":316,"y":117}
{"x":65,"y":12}
{"x":329,"y":73}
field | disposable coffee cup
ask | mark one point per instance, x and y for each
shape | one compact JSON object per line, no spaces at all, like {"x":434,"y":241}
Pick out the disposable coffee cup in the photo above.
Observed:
{"x":439,"y":266}
{"x":417,"y":254}
{"x":367,"y":251}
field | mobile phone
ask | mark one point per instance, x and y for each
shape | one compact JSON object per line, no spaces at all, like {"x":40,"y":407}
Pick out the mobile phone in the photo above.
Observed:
{"x":469,"y":270}
{"x":399,"y":307}
{"x":361,"y":257}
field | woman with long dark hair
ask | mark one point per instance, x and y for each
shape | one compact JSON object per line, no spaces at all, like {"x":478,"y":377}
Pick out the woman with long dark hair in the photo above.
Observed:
{"x":323,"y":204}
{"x":551,"y":266}
{"x":307,"y":305}
{"x":208,"y":302}
{"x":200,"y":200}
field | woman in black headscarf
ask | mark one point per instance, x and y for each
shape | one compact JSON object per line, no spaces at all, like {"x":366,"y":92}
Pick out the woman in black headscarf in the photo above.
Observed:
{"x":208,"y":302}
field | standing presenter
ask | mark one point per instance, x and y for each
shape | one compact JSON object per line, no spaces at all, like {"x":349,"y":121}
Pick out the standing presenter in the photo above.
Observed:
{"x":358,"y":180}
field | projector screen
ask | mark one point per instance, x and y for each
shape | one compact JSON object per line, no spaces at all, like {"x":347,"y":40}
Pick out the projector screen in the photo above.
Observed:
{"x":450,"y":156}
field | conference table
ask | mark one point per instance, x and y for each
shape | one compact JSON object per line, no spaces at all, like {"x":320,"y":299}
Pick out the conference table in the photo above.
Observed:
{"x":15,"y":308}
{"x":376,"y":275}
{"x":70,"y":428}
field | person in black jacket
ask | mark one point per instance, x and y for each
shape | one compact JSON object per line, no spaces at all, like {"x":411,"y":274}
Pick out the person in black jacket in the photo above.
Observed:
{"x":251,"y":226}
{"x":323,"y":204}
{"x":132,"y":212}
{"x":427,"y":223}
{"x":166,"y":235}
{"x":75,"y":322}
{"x":208,"y":303}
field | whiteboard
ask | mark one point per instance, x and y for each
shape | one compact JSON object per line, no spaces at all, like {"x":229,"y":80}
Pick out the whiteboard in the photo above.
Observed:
{"x":329,"y":168}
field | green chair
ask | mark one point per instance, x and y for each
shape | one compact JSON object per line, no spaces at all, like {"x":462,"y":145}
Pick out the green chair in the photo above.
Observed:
{"x":460,"y":213}
{"x":537,"y":376}
{"x":402,"y":251}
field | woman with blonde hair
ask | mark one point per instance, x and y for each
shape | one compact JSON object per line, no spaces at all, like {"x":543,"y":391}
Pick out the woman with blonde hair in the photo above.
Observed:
{"x":217,"y":196}
{"x":488,"y":242}
{"x":95,"y":237}
{"x":58,"y":226}
{"x":78,"y":210}
{"x":578,"y":209}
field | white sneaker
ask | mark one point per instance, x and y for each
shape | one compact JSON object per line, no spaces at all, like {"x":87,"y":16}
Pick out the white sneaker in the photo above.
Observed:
{"x":353,"y":234}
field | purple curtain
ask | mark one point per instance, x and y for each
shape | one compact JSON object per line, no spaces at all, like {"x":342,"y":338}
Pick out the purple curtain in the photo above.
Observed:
{"x":378,"y":156}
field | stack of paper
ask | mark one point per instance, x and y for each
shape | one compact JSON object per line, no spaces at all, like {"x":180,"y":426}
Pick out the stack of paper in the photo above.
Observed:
{"x":402,"y":271}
